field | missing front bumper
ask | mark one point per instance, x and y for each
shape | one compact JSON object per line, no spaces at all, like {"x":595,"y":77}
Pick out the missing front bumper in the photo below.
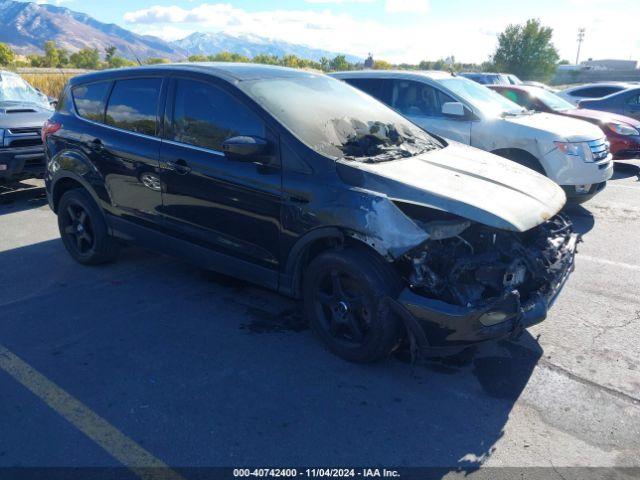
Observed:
{"x":437,"y":327}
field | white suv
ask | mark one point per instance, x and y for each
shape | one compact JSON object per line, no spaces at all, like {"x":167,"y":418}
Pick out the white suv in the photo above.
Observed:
{"x":573,"y":153}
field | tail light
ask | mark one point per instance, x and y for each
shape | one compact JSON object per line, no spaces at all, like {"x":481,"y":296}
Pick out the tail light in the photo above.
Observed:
{"x":49,"y":128}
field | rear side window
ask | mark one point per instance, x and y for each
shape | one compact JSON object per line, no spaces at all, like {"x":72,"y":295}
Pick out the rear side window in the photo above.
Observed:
{"x":205,"y":116}
{"x":90,"y":100}
{"x":133,"y":105}
{"x":368,"y":85}
{"x":634,"y":99}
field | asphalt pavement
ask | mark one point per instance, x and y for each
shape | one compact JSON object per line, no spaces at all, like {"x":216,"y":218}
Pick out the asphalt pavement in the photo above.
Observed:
{"x":153,"y":362}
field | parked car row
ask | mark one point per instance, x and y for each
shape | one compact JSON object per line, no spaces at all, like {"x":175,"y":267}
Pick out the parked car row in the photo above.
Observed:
{"x":623,"y":133}
{"x":370,"y":203}
{"x":572,"y":153}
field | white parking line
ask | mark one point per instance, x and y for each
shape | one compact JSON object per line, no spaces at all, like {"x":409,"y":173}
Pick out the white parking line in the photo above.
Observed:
{"x":602,"y":261}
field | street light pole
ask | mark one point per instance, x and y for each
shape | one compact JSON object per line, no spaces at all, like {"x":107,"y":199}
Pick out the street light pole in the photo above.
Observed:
{"x":580,"y":39}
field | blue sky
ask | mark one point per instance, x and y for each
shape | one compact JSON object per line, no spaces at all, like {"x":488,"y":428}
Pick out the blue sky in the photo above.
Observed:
{"x":396,"y":30}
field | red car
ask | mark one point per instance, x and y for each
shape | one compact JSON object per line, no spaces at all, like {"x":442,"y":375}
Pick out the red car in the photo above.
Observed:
{"x":622,"y":132}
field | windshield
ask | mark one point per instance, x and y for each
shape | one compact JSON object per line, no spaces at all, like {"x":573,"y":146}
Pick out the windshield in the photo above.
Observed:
{"x":337,"y":120}
{"x":484,"y":99}
{"x":551,"y":100}
{"x":15,"y":89}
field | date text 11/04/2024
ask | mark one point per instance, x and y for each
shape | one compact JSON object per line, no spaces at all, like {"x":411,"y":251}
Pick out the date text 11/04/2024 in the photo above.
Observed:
{"x":316,"y":472}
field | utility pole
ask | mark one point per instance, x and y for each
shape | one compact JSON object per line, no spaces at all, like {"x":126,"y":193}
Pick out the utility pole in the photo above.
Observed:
{"x":580,"y":40}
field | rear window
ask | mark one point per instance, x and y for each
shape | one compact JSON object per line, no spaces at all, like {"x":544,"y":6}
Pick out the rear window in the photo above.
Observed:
{"x":133,"y":105}
{"x":90,"y":100}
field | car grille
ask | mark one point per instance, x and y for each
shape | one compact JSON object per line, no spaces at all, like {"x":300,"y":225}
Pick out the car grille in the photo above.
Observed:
{"x":599,"y":149}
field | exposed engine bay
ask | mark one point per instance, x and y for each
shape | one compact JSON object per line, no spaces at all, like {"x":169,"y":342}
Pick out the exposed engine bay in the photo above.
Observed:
{"x":471,"y":265}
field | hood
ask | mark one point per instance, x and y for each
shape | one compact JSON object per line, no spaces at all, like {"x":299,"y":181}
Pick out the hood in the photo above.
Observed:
{"x":602,"y":117}
{"x":465,"y":181}
{"x":558,"y":126}
{"x":23,"y":115}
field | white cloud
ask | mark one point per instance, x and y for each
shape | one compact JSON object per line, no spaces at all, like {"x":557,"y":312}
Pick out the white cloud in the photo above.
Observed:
{"x":470,"y":39}
{"x":407,"y":6}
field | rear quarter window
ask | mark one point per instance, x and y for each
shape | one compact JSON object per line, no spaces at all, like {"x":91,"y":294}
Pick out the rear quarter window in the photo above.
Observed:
{"x":89,"y":100}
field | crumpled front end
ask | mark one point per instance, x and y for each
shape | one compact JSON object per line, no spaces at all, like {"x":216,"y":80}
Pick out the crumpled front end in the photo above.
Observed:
{"x":471,"y":283}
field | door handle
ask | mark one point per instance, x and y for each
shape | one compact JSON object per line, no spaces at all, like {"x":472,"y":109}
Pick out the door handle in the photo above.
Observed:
{"x":179,"y":166}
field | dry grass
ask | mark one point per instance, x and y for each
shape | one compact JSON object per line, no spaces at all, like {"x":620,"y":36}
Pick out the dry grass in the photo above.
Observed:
{"x":49,"y":83}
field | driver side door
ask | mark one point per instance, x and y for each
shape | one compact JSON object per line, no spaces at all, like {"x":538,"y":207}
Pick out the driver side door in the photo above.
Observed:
{"x":422,"y":104}
{"x":228,"y":206}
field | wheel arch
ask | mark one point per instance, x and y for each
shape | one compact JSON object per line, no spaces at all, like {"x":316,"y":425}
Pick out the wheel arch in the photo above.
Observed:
{"x":522,"y":157}
{"x":310,"y":246}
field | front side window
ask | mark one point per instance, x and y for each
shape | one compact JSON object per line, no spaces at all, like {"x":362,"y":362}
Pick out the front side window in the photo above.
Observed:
{"x":90,"y":100}
{"x":206,"y":116}
{"x":133,"y":105}
{"x":415,"y":99}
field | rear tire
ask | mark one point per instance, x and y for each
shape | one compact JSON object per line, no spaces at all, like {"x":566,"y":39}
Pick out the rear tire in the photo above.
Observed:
{"x":83,"y":229}
{"x":343,"y":301}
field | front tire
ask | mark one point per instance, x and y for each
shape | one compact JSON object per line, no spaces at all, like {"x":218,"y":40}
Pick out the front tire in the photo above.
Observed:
{"x":344,"y":294}
{"x":83,"y":229}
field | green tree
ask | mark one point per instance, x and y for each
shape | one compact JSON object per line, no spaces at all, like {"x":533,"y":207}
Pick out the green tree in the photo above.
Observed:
{"x":198,"y":58}
{"x":156,"y":61}
{"x":266,"y":59}
{"x":36,"y":60}
{"x":51,"y":56}
{"x":382,"y":65}
{"x":324,"y":64}
{"x":7,"y":56}
{"x":526,"y":51}
{"x":339,"y":63}
{"x":110,"y":53}
{"x":88,"y":58}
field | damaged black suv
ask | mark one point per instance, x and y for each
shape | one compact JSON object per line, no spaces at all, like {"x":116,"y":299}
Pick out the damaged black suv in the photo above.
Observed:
{"x":301,"y":183}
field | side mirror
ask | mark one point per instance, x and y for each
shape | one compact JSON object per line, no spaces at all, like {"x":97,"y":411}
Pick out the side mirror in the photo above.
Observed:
{"x":245,"y":148}
{"x":454,"y":109}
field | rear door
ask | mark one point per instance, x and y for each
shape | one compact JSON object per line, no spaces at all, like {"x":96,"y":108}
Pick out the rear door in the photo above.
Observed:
{"x":229,"y":206}
{"x":124,"y":142}
{"x":422,"y":104}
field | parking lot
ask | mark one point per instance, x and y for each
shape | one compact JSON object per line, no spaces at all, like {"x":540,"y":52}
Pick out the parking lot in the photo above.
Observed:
{"x":151,"y":361}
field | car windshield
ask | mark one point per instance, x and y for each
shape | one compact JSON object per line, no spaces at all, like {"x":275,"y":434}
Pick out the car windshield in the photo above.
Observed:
{"x":551,"y":100}
{"x":481,"y":97}
{"x":337,"y":120}
{"x":15,"y":89}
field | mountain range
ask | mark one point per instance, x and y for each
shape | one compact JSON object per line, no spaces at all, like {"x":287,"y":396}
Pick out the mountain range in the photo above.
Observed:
{"x":26,"y":26}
